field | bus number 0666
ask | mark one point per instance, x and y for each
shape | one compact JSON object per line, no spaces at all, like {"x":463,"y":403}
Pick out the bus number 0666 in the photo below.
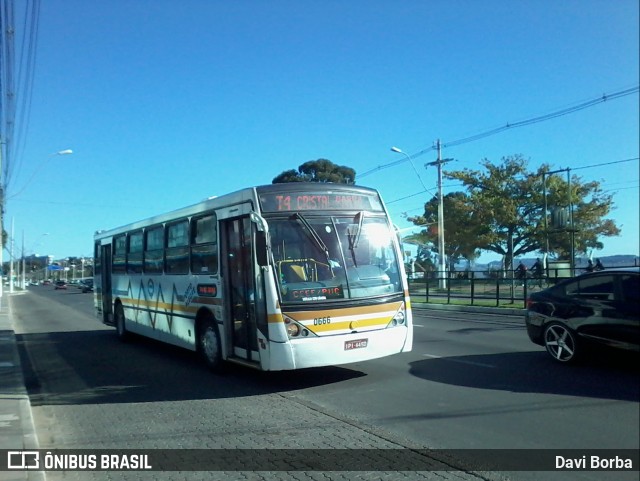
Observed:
{"x":318,"y":321}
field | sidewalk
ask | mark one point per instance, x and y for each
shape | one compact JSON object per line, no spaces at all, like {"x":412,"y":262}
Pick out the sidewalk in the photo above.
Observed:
{"x":17,"y":431}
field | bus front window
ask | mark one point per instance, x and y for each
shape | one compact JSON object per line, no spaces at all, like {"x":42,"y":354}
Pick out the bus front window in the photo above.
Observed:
{"x":319,"y":258}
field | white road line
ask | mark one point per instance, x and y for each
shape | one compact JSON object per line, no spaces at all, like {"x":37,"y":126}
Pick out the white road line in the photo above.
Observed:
{"x":480,"y":364}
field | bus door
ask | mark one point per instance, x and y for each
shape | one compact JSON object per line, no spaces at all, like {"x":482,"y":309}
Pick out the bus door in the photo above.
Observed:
{"x":107,"y":305}
{"x":240,"y":287}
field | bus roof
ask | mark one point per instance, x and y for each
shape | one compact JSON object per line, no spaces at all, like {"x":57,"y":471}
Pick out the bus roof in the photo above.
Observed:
{"x":243,"y":195}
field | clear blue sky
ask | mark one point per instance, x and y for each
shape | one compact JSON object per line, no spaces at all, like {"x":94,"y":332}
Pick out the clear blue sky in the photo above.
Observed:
{"x":166,"y":103}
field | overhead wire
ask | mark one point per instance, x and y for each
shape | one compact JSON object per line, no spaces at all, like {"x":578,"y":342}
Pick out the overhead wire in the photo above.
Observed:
{"x":26,"y":74}
{"x":14,"y":122}
{"x":569,"y":168}
{"x":512,"y":125}
{"x":7,"y":87}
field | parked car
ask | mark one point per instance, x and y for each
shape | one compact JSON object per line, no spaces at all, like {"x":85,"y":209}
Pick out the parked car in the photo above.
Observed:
{"x":87,"y":285}
{"x":60,"y":285}
{"x":597,"y":308}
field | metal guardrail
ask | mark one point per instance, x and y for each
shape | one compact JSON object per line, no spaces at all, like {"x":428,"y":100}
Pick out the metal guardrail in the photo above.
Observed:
{"x":471,"y":291}
{"x":484,"y":288}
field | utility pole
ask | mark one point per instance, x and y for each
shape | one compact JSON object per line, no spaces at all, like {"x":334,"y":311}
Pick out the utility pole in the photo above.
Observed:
{"x":571,"y":229}
{"x":1,"y":230}
{"x":11,"y":260}
{"x":442,"y":265}
{"x":1,"y":225}
{"x":572,"y":253}
{"x":24,"y":267}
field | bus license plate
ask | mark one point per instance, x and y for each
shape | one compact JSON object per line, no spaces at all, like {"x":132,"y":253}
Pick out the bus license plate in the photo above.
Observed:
{"x":357,"y":344}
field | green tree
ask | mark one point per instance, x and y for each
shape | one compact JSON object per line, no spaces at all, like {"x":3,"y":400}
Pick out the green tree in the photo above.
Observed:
{"x":590,"y":206}
{"x":464,"y":227}
{"x":509,"y":202}
{"x":321,"y":170}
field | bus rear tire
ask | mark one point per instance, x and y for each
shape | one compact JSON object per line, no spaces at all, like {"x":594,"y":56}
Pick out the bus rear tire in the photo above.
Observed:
{"x":209,"y":346}
{"x":121,"y":329}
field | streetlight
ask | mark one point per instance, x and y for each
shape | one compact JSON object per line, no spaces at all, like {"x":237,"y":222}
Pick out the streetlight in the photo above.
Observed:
{"x":24,"y":260}
{"x":38,"y":169}
{"x":400,"y":151}
{"x":3,"y":199}
{"x":441,"y":257}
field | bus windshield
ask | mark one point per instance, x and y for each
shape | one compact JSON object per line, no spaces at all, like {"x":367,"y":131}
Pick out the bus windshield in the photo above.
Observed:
{"x":319,"y":258}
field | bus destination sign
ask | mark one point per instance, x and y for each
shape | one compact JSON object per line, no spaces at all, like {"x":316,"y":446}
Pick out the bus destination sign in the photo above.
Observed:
{"x":315,"y":294}
{"x":306,"y":201}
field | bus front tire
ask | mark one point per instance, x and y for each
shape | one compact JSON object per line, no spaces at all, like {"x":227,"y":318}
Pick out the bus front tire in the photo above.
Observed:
{"x":209,"y":345}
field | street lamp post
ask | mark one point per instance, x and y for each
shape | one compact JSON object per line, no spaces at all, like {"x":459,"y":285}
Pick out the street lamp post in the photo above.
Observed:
{"x":441,"y":257}
{"x":400,"y":151}
{"x":33,"y":175}
{"x":3,"y":200}
{"x":24,"y":260}
{"x":572,"y":230}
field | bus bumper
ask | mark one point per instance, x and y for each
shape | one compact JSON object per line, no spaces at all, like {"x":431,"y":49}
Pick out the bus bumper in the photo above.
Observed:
{"x":339,"y":349}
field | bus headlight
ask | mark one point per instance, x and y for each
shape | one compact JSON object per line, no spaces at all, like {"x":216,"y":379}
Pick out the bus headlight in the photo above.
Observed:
{"x":295,"y":329}
{"x":292,"y":327}
{"x":398,"y":319}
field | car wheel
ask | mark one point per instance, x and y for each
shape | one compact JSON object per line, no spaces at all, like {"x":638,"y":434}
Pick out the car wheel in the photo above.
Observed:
{"x":561,"y":342}
{"x":209,"y":345}
{"x":121,"y":328}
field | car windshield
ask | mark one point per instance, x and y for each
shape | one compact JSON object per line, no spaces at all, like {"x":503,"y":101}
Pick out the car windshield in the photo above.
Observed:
{"x":320,"y":258}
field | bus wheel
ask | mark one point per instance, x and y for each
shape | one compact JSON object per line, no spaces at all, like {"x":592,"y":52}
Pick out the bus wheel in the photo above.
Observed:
{"x":209,"y":345}
{"x":121,"y":330}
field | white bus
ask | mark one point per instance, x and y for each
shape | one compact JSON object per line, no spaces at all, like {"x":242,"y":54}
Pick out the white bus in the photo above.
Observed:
{"x":276,"y":277}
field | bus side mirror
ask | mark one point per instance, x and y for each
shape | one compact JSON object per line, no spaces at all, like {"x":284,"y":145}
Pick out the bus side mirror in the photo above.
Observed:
{"x":261,"y":248}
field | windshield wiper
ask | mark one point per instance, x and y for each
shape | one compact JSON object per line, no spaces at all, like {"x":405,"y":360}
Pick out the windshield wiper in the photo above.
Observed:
{"x":315,"y":237}
{"x":354,"y":238}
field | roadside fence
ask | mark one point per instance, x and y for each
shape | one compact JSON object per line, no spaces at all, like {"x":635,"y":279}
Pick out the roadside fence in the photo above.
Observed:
{"x":495,"y":288}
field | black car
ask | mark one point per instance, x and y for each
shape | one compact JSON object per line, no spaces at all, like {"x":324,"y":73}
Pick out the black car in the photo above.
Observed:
{"x":87,"y":285}
{"x":598,"y":308}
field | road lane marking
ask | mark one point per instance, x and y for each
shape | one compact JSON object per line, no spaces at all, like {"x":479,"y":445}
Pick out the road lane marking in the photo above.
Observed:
{"x":472,"y":363}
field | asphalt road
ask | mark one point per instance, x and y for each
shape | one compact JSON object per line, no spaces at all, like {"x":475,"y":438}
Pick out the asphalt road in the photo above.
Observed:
{"x":476,"y":381}
{"x":472,"y":381}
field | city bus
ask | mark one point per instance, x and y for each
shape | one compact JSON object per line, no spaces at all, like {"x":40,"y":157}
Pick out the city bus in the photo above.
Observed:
{"x":275,"y":277}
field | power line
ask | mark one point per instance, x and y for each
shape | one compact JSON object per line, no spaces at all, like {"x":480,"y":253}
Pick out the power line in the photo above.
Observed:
{"x":605,"y":163}
{"x":508,"y":126}
{"x":560,"y":170}
{"x":26,"y":75}
{"x":406,"y":197}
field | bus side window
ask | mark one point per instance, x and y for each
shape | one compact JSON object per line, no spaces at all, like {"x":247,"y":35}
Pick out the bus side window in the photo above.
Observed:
{"x":154,"y":250}
{"x":97,"y":259}
{"x":119,"y":260}
{"x":134,"y":253}
{"x":177,"y":250}
{"x":204,"y":245}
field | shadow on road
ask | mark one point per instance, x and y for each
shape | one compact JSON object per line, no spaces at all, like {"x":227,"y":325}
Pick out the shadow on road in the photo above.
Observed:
{"x":611,"y":375}
{"x":86,"y":367}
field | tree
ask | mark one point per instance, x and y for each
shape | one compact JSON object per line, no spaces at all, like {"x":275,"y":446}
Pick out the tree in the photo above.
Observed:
{"x":321,"y":170}
{"x":463,"y":227}
{"x":590,"y":206}
{"x":509,"y":202}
